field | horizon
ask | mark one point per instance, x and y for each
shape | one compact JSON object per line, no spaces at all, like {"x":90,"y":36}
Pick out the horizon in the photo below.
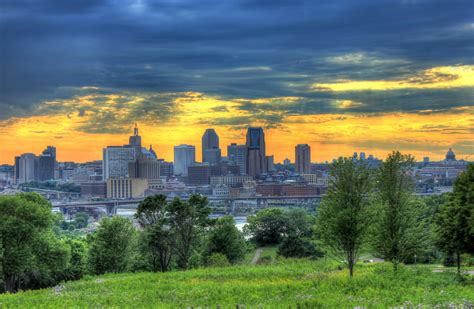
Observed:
{"x":342,"y":77}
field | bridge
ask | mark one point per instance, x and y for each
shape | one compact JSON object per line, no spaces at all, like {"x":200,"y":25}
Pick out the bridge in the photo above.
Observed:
{"x":258,"y":202}
{"x":231,"y":203}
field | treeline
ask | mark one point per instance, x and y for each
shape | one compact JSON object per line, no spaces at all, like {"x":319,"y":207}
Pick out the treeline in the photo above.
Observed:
{"x":52,"y":185}
{"x":364,"y":212}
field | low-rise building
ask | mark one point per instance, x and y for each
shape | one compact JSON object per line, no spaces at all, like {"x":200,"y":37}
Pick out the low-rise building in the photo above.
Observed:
{"x":124,"y":188}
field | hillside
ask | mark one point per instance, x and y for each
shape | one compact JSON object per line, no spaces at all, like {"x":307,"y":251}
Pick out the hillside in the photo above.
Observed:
{"x":277,"y":285}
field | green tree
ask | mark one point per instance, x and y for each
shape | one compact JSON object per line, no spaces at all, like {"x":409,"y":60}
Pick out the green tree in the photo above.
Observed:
{"x":218,"y":260}
{"x":188,"y":220}
{"x":266,"y":227}
{"x":81,"y":220}
{"x":298,"y":247}
{"x":345,"y":212}
{"x":225,"y":238}
{"x":77,"y":265}
{"x":24,"y":217}
{"x":111,"y":246}
{"x":455,"y":223}
{"x":158,"y":239}
{"x":399,"y":231}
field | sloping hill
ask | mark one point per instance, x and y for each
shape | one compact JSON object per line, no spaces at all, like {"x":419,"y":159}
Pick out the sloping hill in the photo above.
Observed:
{"x":288,"y":283}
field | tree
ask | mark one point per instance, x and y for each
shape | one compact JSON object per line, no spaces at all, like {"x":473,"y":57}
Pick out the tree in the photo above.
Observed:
{"x":188,"y":220}
{"x":399,"y":231}
{"x":345,"y":212}
{"x":158,"y":239}
{"x":226,"y":239}
{"x":111,"y":246}
{"x":455,"y":223}
{"x":267,"y":227}
{"x":218,"y":260}
{"x":151,"y":210}
{"x":298,"y":223}
{"x":77,"y":265}
{"x":24,"y":217}
{"x":81,"y":220}
{"x":298,"y":247}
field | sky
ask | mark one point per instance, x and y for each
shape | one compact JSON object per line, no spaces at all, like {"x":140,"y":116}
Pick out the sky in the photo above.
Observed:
{"x":341,"y":76}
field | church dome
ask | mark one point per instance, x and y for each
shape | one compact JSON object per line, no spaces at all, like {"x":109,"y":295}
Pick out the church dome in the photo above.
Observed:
{"x":450,"y":156}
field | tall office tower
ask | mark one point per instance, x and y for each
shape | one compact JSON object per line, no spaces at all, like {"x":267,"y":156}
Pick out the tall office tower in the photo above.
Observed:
{"x":149,"y":169}
{"x":166,"y":168}
{"x":270,"y":161}
{"x":135,"y":140}
{"x":211,"y":152}
{"x":115,"y":160}
{"x":303,"y":159}
{"x":255,"y":151}
{"x":27,"y":167}
{"x":46,"y":163}
{"x":17,"y":169}
{"x":362,"y":156}
{"x":184,"y":156}
{"x":237,"y":155}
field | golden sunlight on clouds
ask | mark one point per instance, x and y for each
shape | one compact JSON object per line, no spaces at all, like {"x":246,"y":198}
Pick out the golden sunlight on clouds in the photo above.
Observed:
{"x":435,"y":78}
{"x":77,"y":127}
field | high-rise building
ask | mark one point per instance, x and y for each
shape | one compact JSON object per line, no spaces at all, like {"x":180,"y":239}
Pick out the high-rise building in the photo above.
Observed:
{"x":237,"y":155}
{"x":211,"y":152}
{"x":46,"y":164}
{"x":166,"y":168}
{"x":115,"y":160}
{"x":17,"y":169}
{"x":135,"y":140}
{"x":184,"y":156}
{"x":27,"y":168}
{"x":255,"y":143}
{"x":270,"y":161}
{"x":149,"y":169}
{"x":303,"y":159}
{"x":199,"y":174}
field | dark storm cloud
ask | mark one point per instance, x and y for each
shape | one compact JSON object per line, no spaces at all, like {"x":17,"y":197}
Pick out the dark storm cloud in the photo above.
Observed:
{"x":246,"y":49}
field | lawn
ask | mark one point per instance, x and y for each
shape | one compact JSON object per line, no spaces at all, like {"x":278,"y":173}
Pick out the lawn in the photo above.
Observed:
{"x":282,"y":284}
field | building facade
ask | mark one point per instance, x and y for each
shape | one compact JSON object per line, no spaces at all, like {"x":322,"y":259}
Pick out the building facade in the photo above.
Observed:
{"x":116,"y":159}
{"x":256,"y":158}
{"x":126,"y":188}
{"x":184,"y":156}
{"x":303,"y":159}
{"x":211,"y":152}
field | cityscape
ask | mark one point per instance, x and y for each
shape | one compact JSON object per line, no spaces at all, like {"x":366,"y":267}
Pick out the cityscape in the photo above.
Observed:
{"x":237,"y":154}
{"x":244,"y":181}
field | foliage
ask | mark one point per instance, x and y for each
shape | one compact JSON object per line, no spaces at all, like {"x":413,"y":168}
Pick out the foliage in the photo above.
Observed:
{"x":455,"y":223}
{"x":289,"y":283}
{"x":298,"y":247}
{"x":81,"y":220}
{"x":158,"y":240}
{"x":399,"y":231}
{"x":53,"y":185}
{"x":111,"y":246}
{"x":266,"y":227}
{"x":217,"y":259}
{"x":77,"y":265}
{"x":24,"y":218}
{"x":345,"y":213}
{"x":226,"y":239}
{"x":188,"y":220}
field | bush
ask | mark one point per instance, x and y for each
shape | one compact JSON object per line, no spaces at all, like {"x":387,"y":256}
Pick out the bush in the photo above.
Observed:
{"x":218,"y":260}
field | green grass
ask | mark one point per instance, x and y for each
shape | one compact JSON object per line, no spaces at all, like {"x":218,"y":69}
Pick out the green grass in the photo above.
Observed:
{"x":283,"y":284}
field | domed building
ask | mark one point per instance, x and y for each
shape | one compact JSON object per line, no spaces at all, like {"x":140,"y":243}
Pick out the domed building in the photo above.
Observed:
{"x":450,"y":156}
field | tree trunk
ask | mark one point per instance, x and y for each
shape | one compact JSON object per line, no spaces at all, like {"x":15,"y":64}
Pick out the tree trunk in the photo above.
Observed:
{"x":458,"y":261}
{"x":9,"y":284}
{"x":351,"y":267}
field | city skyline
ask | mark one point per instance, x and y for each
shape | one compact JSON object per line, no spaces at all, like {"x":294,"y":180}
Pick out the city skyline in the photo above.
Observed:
{"x":372,"y":76}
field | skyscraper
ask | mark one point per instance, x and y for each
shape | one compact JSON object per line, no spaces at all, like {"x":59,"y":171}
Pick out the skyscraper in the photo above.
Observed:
{"x":135,"y":140}
{"x":46,"y":163}
{"x":27,"y":167}
{"x":255,"y":143}
{"x":303,"y":159}
{"x":237,"y":155}
{"x":115,"y":160}
{"x":184,"y":156}
{"x":211,"y":152}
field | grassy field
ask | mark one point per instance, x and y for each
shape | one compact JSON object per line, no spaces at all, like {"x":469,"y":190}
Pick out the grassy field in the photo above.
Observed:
{"x":283,"y":284}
